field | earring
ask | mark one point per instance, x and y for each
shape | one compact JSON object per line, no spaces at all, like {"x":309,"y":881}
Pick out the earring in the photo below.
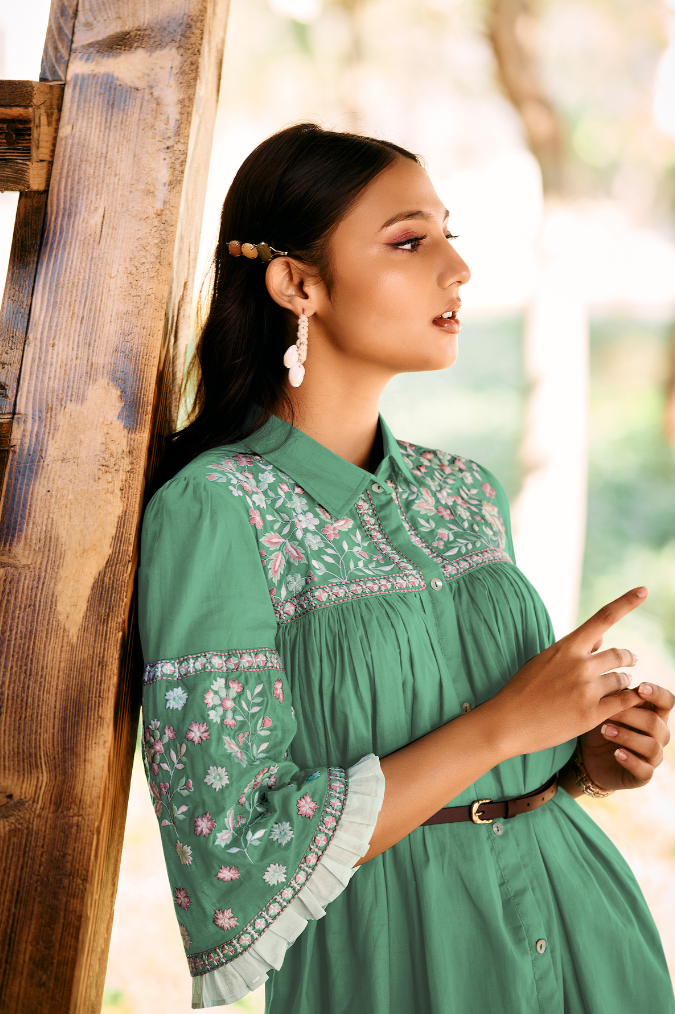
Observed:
{"x":295,"y":355}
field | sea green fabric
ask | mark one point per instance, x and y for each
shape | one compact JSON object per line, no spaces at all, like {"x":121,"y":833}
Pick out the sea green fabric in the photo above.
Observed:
{"x":298,"y":613}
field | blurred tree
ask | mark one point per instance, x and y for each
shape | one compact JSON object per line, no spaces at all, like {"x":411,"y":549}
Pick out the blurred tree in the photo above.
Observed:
{"x":512,"y":30}
{"x":554,"y":448}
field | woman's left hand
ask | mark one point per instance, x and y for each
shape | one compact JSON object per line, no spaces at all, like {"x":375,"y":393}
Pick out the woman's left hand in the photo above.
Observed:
{"x":624,"y":751}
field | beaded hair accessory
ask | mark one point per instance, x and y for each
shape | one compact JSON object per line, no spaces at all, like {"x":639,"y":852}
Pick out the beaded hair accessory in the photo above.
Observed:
{"x":252,"y":250}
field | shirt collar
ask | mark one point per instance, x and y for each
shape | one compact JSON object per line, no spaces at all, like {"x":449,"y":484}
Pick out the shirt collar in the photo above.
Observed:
{"x":334,"y":482}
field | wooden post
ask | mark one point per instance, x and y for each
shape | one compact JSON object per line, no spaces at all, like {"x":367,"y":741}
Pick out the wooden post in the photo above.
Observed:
{"x":104,"y":324}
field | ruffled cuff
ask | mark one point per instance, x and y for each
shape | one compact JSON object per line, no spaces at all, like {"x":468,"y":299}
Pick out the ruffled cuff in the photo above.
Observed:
{"x":365,"y":792}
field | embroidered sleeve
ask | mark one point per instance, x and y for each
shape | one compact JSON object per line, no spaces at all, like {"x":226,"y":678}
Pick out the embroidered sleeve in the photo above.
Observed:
{"x":243,"y":829}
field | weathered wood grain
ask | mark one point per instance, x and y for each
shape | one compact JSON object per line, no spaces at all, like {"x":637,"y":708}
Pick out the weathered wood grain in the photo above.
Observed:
{"x":58,"y":40}
{"x":28,"y":133}
{"x":27,"y":238}
{"x":108,"y":320}
{"x":15,"y":309}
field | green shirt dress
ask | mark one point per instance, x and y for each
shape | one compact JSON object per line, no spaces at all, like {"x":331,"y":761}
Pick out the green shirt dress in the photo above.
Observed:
{"x":301,"y":618}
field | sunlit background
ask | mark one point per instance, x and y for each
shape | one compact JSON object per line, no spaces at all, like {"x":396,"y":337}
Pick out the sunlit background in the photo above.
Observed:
{"x":555,"y":152}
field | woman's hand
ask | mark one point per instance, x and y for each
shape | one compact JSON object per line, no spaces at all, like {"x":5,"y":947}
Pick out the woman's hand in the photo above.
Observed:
{"x":568,"y":689}
{"x":559,"y":695}
{"x":624,"y":751}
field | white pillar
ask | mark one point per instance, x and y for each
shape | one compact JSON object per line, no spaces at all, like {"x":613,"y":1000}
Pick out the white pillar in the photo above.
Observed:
{"x":549,"y":514}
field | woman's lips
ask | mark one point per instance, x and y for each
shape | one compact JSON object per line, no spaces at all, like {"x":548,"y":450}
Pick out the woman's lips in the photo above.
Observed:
{"x":452,"y":325}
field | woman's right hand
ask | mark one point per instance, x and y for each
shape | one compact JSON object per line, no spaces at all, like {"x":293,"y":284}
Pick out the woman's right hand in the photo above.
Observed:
{"x":560,"y":694}
{"x":569,"y":688}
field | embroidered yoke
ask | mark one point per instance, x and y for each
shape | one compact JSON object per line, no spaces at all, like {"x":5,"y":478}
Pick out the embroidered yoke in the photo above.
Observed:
{"x":301,"y":618}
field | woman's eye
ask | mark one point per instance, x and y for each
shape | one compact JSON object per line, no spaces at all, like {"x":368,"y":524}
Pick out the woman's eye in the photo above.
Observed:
{"x":413,"y":243}
{"x":409,"y":244}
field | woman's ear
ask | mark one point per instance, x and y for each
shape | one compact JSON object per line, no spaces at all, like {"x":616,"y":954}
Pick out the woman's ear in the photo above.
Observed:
{"x":292,"y":285}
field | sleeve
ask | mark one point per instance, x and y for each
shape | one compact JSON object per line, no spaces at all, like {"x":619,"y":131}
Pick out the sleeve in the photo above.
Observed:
{"x":254,"y":847}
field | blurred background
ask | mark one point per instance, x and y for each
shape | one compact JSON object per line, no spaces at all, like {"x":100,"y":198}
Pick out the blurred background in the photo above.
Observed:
{"x":548,"y":129}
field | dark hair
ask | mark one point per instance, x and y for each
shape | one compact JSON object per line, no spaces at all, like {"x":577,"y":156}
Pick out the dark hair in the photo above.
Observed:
{"x":291,"y":192}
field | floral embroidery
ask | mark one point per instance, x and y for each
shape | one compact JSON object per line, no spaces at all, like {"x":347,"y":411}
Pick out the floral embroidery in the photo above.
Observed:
{"x":306,"y":806}
{"x":408,"y":578}
{"x":217,"y":778}
{"x":251,"y":744}
{"x":338,"y":563}
{"x":448,"y":513}
{"x":241,"y":830}
{"x":254,"y":659}
{"x":236,"y":752}
{"x":180,"y":897}
{"x":176,"y":698}
{"x":228,"y":873}
{"x":185,"y":936}
{"x":281,"y":832}
{"x":279,"y":691}
{"x":224,"y":919}
{"x":314,"y":560}
{"x":453,"y":568}
{"x":225,"y":837}
{"x":215,"y":957}
{"x":184,"y":853}
{"x":275,"y":874}
{"x":198,"y":733}
{"x":204,"y":825}
{"x":157,"y":759}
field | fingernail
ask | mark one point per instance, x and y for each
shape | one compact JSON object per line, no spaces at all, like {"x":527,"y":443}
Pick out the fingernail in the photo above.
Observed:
{"x":609,"y":730}
{"x":636,"y":658}
{"x":646,"y":689}
{"x":621,"y":755}
{"x":642,"y":592}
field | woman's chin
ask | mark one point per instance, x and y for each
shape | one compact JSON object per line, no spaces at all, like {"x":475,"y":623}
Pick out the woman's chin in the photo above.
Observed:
{"x":438,"y":359}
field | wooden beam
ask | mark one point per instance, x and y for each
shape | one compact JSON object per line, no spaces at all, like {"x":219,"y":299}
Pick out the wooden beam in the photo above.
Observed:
{"x":29,"y":119}
{"x":107,"y":323}
{"x":27,"y":239}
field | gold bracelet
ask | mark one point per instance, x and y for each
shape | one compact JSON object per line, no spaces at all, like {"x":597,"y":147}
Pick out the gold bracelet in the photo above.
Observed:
{"x":583,"y":779}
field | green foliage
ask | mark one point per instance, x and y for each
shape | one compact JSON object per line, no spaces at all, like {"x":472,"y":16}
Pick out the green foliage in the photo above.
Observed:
{"x":115,"y":1002}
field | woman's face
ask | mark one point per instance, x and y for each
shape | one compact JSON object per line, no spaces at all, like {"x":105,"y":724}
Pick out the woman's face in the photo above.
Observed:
{"x":393,"y":275}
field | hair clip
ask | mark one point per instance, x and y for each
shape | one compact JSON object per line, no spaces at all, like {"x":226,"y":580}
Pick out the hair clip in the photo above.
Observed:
{"x":252,"y":250}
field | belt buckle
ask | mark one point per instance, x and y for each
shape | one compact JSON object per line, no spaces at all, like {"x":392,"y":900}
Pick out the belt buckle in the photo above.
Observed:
{"x":475,"y":812}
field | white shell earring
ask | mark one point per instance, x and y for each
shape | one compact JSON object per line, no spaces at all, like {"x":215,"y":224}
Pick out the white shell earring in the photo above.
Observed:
{"x":295,"y":355}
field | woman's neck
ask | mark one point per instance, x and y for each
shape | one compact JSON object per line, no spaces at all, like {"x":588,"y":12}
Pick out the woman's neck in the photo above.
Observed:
{"x":343,"y":416}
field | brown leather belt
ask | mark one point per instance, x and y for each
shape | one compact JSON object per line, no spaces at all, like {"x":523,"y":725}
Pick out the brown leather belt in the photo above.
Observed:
{"x":484,"y":811}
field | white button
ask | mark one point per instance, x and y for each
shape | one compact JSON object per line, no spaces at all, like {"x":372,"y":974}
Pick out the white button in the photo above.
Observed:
{"x":376,"y":488}
{"x":466,"y":708}
{"x":437,"y":584}
{"x":499,"y":829}
{"x":541,"y":946}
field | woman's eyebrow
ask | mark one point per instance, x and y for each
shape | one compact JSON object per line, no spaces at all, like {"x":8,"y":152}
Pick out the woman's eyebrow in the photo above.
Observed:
{"x":406,"y":215}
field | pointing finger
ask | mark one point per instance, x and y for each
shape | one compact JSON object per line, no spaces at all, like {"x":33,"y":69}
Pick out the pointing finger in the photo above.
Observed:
{"x":594,"y":628}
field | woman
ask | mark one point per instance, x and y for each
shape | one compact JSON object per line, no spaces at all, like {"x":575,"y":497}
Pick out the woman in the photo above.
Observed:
{"x":345,"y":671}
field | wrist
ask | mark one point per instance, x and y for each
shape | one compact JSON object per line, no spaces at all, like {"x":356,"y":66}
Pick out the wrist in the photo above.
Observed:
{"x":582,"y":777}
{"x":568,"y":782}
{"x":492,"y":733}
{"x":498,"y":729}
